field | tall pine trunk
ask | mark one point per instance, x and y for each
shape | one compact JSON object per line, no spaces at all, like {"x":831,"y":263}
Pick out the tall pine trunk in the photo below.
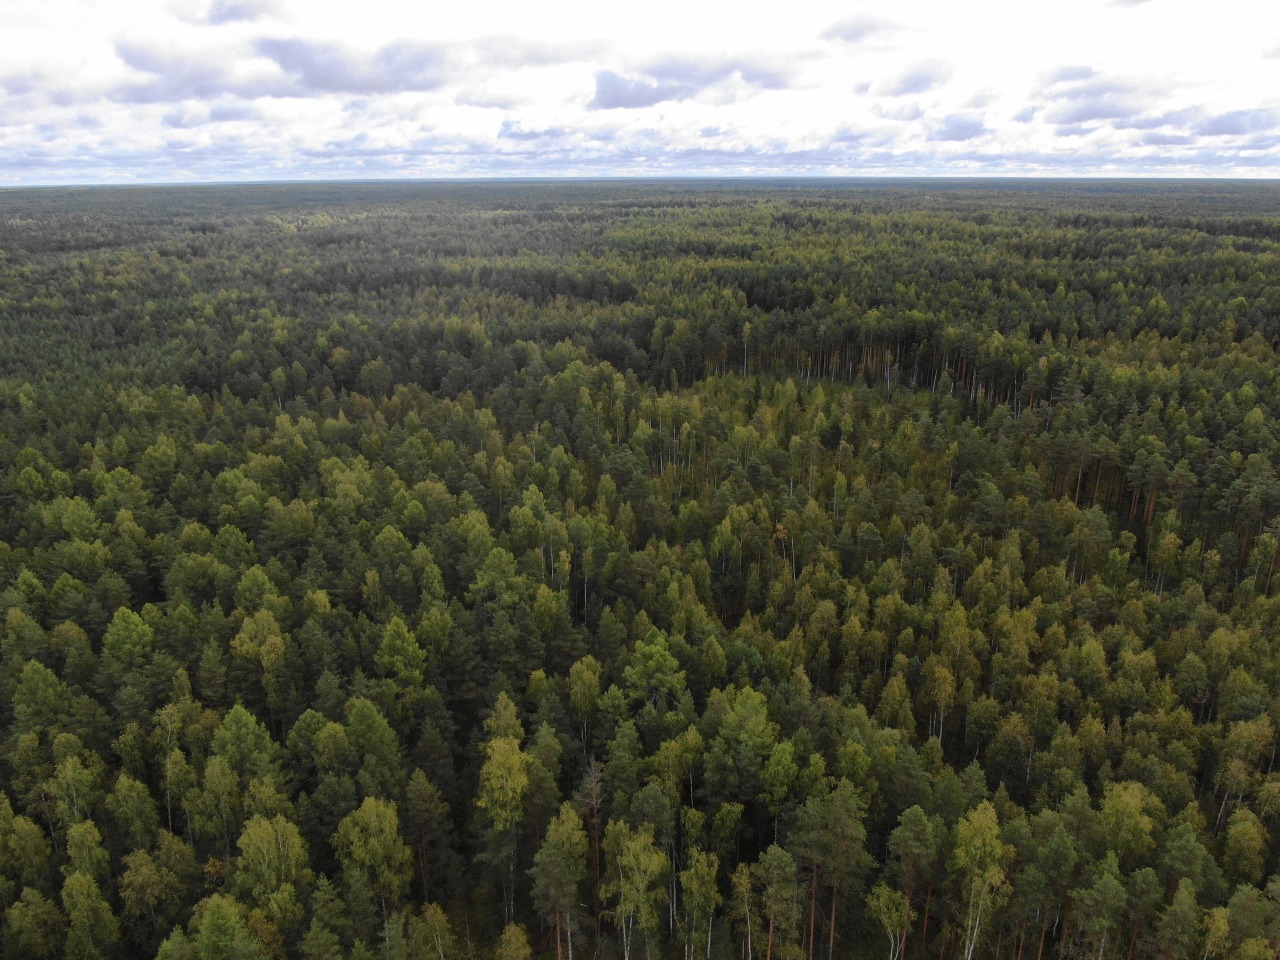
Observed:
{"x":813,"y":906}
{"x":831,"y":937}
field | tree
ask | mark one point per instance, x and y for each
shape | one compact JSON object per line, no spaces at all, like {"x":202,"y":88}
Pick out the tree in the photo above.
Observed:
{"x":246,"y":745}
{"x":916,"y":846}
{"x":221,"y":933}
{"x":92,"y":929}
{"x":978,"y":861}
{"x":1178,"y":931}
{"x":377,"y":750}
{"x":133,"y":811}
{"x":436,"y":934}
{"x":513,"y":944}
{"x":29,"y":855}
{"x":426,"y":822}
{"x":829,"y":841}
{"x":1246,"y":847}
{"x":216,"y":811}
{"x":151,"y":894}
{"x":776,"y":778}
{"x":74,"y":786}
{"x":263,"y":643}
{"x":892,"y":911}
{"x":34,"y":927}
{"x":592,"y":803}
{"x":375,"y":861}
{"x":272,"y":855}
{"x":400,"y":656}
{"x":1217,"y":933}
{"x":558,"y":868}
{"x":775,"y":874}
{"x":742,"y":906}
{"x":126,"y":649}
{"x":1126,"y":823}
{"x":504,"y":781}
{"x":85,"y":853}
{"x":543,"y":769}
{"x":328,"y":920}
{"x":1145,"y":899}
{"x":1100,"y":907}
{"x":584,"y":693}
{"x":634,"y":868}
{"x":700,"y":896}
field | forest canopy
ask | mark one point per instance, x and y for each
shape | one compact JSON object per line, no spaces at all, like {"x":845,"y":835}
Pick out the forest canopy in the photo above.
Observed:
{"x":670,"y":569}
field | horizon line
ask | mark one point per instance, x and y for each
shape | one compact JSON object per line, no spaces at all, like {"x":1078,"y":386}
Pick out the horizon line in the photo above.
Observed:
{"x":814,"y":178}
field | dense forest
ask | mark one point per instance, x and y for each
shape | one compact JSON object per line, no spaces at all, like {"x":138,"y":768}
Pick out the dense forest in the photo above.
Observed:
{"x":715,"y":571}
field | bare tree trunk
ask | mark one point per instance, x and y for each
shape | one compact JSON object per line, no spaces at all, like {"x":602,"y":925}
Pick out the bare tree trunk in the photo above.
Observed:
{"x":928,"y":901}
{"x":831,"y":937}
{"x":423,"y":865}
{"x":813,"y":906}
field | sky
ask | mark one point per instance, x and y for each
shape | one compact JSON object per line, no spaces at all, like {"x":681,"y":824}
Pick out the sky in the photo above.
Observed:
{"x":144,"y":91}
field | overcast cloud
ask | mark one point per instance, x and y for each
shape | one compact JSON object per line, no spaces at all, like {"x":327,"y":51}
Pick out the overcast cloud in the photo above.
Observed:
{"x":172,"y":90}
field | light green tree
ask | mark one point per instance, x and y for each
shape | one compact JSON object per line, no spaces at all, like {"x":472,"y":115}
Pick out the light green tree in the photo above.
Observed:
{"x":375,"y":861}
{"x":701,"y":898}
{"x":978,"y":862}
{"x":434,"y":933}
{"x":892,"y":911}
{"x":221,"y":933}
{"x":504,"y":782}
{"x":272,"y":854}
{"x":34,"y":927}
{"x":85,"y":853}
{"x":92,"y":929}
{"x":634,"y":868}
{"x":559,"y":868}
{"x":513,"y":944}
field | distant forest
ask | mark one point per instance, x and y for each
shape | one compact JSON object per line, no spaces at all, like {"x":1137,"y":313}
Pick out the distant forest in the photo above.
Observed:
{"x":784,"y":570}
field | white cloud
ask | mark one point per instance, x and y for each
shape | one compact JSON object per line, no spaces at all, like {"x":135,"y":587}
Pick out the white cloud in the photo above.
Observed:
{"x":959,"y":127}
{"x":918,"y":78}
{"x":253,"y":89}
{"x":858,"y":28}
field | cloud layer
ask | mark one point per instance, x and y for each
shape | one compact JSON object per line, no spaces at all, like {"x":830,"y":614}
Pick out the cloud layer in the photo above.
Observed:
{"x":263,"y":89}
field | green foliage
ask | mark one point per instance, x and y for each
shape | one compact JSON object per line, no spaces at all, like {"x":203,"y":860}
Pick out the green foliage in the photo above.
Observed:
{"x":375,"y":861}
{"x":978,"y":861}
{"x":272,"y":855}
{"x":651,"y":560}
{"x":92,"y":929}
{"x":34,"y":927}
{"x":513,"y":944}
{"x":775,"y":878}
{"x":701,"y":896}
{"x":893,"y":912}
{"x":559,"y":868}
{"x":634,"y":869}
{"x":221,"y":932}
